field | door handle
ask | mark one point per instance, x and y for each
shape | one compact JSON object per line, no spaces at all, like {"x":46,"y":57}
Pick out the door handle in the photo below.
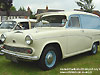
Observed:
{"x":82,"y":30}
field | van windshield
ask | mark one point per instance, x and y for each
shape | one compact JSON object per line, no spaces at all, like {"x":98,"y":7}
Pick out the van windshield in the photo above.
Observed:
{"x":8,"y":25}
{"x":52,"y":21}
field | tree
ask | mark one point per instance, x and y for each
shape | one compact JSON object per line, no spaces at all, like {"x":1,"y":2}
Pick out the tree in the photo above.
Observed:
{"x":21,"y":9}
{"x":86,"y":5}
{"x":5,"y":5}
{"x":13,"y":8}
{"x":2,"y":6}
{"x":32,"y":16}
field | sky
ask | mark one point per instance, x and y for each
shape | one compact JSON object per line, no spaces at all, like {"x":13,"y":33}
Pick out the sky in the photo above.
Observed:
{"x":67,"y":5}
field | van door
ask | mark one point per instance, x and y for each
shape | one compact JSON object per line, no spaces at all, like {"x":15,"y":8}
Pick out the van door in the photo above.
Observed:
{"x":76,"y":39}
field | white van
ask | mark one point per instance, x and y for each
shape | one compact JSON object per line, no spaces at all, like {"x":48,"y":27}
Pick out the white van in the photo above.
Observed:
{"x":65,"y":34}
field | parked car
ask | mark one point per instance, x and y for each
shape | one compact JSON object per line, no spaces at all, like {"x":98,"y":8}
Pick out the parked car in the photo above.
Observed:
{"x":65,"y":34}
{"x":16,"y":24}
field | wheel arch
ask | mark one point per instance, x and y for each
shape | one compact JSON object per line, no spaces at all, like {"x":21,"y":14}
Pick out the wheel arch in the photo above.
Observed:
{"x":98,"y":43}
{"x":94,"y":48}
{"x":57,"y":46}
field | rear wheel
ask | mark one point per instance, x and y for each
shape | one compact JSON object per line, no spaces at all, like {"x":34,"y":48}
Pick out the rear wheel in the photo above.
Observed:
{"x":94,"y":49}
{"x":48,"y":58}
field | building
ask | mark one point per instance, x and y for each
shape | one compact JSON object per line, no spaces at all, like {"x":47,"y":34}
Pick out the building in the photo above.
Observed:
{"x":42,"y":11}
{"x":13,"y":15}
{"x":39,"y":11}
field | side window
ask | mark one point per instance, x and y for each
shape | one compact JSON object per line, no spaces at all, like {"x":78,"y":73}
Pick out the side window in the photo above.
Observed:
{"x":22,"y":26}
{"x":74,"y":22}
{"x":90,"y":22}
{"x":54,"y":20}
{"x":33,"y":24}
{"x":25,"y":25}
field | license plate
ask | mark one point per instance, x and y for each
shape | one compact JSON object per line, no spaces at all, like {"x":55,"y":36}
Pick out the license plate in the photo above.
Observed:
{"x":12,"y":58}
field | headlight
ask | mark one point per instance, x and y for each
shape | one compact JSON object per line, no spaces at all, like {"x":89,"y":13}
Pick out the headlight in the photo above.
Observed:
{"x":3,"y":37}
{"x":28,"y":40}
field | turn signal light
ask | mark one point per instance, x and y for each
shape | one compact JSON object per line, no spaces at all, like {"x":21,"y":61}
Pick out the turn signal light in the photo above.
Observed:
{"x":29,"y":51}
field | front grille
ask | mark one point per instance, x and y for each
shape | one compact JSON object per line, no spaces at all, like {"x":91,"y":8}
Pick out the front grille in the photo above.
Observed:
{"x":16,"y":49}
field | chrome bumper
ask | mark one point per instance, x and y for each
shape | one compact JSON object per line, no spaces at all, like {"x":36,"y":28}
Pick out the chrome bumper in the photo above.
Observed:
{"x":1,"y":49}
{"x":20,"y":55}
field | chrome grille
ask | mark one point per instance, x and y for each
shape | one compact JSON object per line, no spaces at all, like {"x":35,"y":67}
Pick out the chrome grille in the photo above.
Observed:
{"x":16,"y":49}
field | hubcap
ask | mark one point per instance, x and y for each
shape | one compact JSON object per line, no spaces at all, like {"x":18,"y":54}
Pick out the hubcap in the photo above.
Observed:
{"x":94,"y":49}
{"x":50,"y":59}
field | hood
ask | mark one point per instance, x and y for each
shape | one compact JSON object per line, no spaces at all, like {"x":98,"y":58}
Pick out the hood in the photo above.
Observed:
{"x":36,"y":33}
{"x":38,"y":30}
{"x":4,"y":30}
{"x":45,"y":29}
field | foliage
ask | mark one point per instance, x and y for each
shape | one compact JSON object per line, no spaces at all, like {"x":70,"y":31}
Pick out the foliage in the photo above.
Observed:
{"x":5,"y":5}
{"x":13,"y":8}
{"x":86,"y":5}
{"x":21,"y":9}
{"x":32,"y":16}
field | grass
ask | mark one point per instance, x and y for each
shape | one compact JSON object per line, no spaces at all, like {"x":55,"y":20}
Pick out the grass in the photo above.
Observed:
{"x":30,"y":68}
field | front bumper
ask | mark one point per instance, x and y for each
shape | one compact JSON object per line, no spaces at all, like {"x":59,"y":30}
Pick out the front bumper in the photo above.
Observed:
{"x":26,"y":57}
{"x":1,"y":49}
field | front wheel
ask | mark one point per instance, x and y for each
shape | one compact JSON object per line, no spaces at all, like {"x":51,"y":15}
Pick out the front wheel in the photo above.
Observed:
{"x":48,"y":58}
{"x":94,"y":49}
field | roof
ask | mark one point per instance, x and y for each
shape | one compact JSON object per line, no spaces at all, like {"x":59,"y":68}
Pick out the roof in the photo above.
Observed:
{"x":22,"y":20}
{"x":65,"y":13}
{"x":96,"y":12}
{"x":81,"y":12}
{"x":39,"y":11}
{"x":15,"y":13}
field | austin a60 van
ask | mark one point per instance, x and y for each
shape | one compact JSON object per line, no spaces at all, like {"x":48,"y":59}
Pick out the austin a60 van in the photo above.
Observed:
{"x":63,"y":35}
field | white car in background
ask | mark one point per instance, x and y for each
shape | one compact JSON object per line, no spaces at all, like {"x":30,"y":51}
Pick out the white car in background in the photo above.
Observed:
{"x":14,"y":24}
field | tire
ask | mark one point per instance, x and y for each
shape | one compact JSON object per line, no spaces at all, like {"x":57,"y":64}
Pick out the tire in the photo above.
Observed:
{"x":94,"y":49}
{"x":48,"y":58}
